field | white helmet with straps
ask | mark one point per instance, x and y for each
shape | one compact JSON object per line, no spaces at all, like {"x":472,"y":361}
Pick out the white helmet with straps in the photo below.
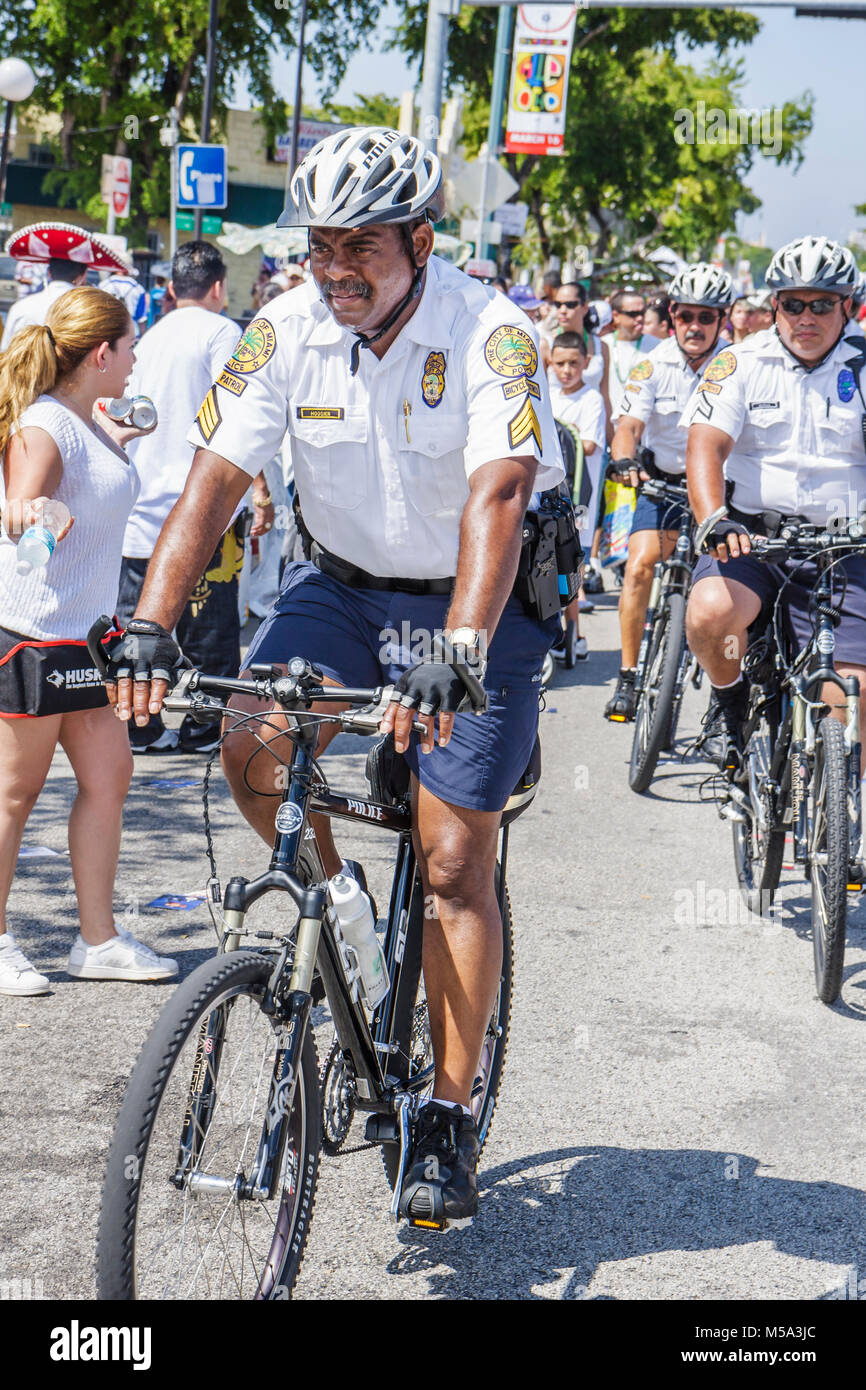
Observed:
{"x":813,"y":263}
{"x":707,"y":286}
{"x":363,"y":175}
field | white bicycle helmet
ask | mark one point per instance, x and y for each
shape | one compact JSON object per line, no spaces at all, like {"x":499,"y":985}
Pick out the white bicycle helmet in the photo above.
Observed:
{"x":814,"y":263}
{"x":362,"y":175}
{"x":707,"y":286}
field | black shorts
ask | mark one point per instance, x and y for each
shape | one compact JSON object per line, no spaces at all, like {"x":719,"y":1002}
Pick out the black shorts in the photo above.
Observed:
{"x":39,"y":678}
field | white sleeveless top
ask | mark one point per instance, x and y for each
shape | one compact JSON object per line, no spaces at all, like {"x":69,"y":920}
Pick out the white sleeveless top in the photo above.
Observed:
{"x":80,"y":581}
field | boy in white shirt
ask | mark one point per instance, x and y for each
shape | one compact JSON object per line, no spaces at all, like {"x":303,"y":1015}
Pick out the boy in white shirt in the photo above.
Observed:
{"x":582,"y":408}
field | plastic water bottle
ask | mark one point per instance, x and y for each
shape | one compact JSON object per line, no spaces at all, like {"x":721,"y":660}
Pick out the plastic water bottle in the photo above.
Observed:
{"x":355,"y":916}
{"x":36,"y":546}
{"x":139,"y":411}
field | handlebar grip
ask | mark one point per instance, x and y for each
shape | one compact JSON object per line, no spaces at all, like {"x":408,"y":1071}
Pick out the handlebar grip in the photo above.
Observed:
{"x":478,"y":696}
{"x":94,"y":643}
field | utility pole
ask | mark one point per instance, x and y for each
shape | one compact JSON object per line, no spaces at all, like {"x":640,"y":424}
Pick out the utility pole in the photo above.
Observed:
{"x":433,"y":72}
{"x":207,"y":105}
{"x":501,"y":64}
{"x":292,"y":156}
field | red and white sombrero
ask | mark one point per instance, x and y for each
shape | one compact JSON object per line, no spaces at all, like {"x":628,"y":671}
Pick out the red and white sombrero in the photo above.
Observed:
{"x":62,"y":241}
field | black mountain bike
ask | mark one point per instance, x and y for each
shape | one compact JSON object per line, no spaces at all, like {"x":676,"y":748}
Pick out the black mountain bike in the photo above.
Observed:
{"x":664,"y":663}
{"x":212,"y":1172}
{"x":800,"y":767}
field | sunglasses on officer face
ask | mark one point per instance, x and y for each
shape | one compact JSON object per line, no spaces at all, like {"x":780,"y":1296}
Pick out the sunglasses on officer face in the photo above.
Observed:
{"x":793,"y":308}
{"x":569,"y":303}
{"x":705,"y":317}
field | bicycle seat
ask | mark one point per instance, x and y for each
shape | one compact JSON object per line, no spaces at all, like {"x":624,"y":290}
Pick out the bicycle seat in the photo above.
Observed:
{"x":527,"y":786}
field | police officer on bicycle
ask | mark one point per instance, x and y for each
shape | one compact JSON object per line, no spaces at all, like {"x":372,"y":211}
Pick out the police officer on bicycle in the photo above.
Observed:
{"x":420,"y":426}
{"x":781,"y":418}
{"x":657,"y":391}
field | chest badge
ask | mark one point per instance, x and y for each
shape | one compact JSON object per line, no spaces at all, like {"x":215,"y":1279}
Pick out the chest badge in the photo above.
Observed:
{"x":845,"y":384}
{"x":433,"y":379}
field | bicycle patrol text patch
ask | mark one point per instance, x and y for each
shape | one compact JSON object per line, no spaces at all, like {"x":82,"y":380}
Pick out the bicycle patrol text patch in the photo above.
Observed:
{"x":433,"y":379}
{"x":845,"y":384}
{"x":511,"y":352}
{"x":255,"y":348}
{"x":319,"y":412}
{"x":521,"y":387}
{"x":710,"y":387}
{"x":641,"y":371}
{"x":209,"y":418}
{"x":231,"y":383}
{"x":721,"y":366}
{"x":524,"y":424}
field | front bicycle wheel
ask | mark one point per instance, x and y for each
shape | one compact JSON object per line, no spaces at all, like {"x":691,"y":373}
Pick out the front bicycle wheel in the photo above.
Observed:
{"x":759,"y":840}
{"x":414,"y":1057}
{"x":654,"y":711}
{"x":827,"y":839}
{"x":174,"y":1224}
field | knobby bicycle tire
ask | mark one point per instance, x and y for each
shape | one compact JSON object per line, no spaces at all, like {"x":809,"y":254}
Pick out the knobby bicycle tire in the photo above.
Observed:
{"x":410,"y":1011}
{"x":827,"y":830}
{"x":654,"y":713}
{"x":145,"y":1148}
{"x":758,"y":849}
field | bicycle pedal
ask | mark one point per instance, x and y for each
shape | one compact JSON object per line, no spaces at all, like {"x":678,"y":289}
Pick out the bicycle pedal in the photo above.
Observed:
{"x":427,"y":1225}
{"x":382,"y":1129}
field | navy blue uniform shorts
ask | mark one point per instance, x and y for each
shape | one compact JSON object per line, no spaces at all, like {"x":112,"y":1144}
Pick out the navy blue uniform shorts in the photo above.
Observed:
{"x":366,"y":637}
{"x":654,"y":514}
{"x":766,"y":580}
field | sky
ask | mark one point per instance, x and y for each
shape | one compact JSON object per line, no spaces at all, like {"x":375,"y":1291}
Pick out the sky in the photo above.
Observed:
{"x":789,"y":57}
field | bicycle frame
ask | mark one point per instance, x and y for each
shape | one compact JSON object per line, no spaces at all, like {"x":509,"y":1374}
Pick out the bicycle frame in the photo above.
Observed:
{"x":679,"y":565}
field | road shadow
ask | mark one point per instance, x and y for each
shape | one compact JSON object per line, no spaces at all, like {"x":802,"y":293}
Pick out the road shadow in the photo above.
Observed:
{"x":554,"y":1218}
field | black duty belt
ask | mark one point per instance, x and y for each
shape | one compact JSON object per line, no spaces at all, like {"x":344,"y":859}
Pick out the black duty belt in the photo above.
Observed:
{"x":356,"y":578}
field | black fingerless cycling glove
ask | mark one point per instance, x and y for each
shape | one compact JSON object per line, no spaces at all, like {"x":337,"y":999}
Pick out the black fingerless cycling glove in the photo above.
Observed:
{"x":144,"y":652}
{"x":429,"y":687}
{"x":716,"y":535}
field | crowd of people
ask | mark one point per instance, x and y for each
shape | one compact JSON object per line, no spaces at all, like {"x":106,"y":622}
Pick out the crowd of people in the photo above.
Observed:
{"x":412,"y":470}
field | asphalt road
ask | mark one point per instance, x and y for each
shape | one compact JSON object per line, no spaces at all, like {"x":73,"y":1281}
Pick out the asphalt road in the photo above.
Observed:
{"x":679,"y":1117}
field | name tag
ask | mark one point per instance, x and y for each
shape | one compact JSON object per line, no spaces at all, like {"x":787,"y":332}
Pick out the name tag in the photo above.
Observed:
{"x":320,"y":412}
{"x":763,"y":405}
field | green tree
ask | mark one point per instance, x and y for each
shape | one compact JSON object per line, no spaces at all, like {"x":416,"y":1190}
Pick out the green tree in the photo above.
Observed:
{"x":112,"y":72}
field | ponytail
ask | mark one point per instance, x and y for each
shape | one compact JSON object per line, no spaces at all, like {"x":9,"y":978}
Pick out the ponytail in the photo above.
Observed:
{"x":39,"y":355}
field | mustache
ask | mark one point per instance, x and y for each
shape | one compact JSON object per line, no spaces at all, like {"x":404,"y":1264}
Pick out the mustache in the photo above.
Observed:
{"x":346,"y":287}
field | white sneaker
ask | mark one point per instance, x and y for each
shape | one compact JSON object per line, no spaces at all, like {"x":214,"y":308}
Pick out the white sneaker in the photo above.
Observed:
{"x":123,"y":957}
{"x":17,"y":975}
{"x":581,"y":651}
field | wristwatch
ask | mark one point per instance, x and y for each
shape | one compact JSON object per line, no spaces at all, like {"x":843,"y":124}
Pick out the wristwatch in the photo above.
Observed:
{"x":470,"y":646}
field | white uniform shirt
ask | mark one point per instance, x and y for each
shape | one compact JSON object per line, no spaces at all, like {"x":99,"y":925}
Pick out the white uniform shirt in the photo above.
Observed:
{"x":584,"y":409}
{"x":658,"y":390}
{"x":798,"y":446}
{"x":382,"y":459}
{"x":175,"y":363}
{"x":32,"y":309}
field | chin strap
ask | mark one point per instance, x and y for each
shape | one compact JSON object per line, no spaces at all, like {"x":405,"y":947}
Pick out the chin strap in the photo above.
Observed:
{"x":363,"y":340}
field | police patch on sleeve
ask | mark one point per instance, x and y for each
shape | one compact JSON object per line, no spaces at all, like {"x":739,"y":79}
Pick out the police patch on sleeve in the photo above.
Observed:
{"x":524,"y":424}
{"x":721,"y":366}
{"x":209,"y":418}
{"x":521,"y":386}
{"x":433,"y":379}
{"x":641,"y":371}
{"x":231,"y":383}
{"x":511,"y":352}
{"x":255,"y":348}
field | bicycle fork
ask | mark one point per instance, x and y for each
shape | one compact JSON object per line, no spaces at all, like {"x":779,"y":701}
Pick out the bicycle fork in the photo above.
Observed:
{"x":648,"y":625}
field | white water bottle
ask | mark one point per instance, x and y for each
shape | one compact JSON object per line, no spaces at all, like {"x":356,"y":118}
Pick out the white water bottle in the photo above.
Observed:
{"x":355,"y":916}
{"x":36,"y":546}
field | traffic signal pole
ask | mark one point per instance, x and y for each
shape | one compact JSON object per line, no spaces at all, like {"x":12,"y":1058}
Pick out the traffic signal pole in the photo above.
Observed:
{"x":207,"y":104}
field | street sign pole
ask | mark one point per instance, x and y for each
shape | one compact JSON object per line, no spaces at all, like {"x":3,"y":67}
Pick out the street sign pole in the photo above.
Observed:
{"x":501,"y":64}
{"x":207,"y":105}
{"x":292,"y":154}
{"x":172,"y":212}
{"x":433,"y":71}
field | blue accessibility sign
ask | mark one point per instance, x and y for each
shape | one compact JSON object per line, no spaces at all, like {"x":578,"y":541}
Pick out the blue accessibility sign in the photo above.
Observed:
{"x":202,"y":176}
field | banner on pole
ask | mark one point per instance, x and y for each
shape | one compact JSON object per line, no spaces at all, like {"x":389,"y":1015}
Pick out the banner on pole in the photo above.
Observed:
{"x":539,"y":79}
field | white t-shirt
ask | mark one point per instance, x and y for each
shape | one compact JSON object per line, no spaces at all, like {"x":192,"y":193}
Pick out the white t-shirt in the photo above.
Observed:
{"x":383,"y":459}
{"x":175,"y":363}
{"x":33,"y":308}
{"x":80,"y":581}
{"x":584,"y":409}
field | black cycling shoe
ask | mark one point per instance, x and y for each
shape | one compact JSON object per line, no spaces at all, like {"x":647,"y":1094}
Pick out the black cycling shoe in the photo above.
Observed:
{"x":721,"y":741}
{"x":621,"y":706}
{"x":440,"y":1188}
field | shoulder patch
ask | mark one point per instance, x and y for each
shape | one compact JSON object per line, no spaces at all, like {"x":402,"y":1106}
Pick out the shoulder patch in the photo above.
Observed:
{"x":255,"y":348}
{"x":511,"y":352}
{"x":521,"y":386}
{"x":845,"y":384}
{"x":433,"y":379}
{"x":231,"y":383}
{"x":209,"y":418}
{"x":721,"y":366}
{"x":641,"y":371}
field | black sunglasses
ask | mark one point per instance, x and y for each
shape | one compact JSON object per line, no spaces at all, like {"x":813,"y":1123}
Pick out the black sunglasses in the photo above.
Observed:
{"x":706,"y":316}
{"x":569,"y":303}
{"x":631,"y":313}
{"x":793,"y":308}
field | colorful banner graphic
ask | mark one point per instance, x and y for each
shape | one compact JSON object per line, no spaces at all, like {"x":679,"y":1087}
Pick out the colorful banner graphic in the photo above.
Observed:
{"x":539,"y":79}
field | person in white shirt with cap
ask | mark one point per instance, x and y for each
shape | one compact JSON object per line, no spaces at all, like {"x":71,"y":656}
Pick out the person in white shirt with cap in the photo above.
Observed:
{"x":68,"y":252}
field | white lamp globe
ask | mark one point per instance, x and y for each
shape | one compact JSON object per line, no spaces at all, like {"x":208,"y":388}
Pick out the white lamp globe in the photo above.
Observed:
{"x":17,"y":79}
